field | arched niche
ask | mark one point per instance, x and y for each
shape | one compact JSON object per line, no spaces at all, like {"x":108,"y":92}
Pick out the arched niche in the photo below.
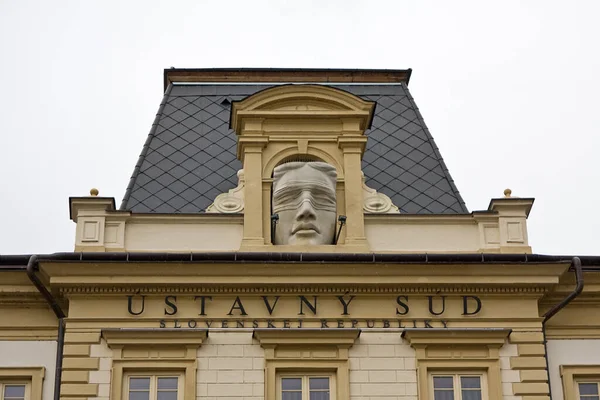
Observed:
{"x":312,"y":154}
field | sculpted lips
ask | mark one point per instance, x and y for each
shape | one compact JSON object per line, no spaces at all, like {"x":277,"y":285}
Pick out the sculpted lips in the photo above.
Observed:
{"x":305,"y":227}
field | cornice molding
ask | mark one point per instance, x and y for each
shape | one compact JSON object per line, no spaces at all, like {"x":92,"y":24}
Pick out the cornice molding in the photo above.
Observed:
{"x":21,"y":299}
{"x":29,"y":333}
{"x":307,"y":289}
{"x":571,"y":332}
{"x":243,"y":277}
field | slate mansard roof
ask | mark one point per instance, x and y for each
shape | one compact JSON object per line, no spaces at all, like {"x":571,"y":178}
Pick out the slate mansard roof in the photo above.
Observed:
{"x":190,"y":154}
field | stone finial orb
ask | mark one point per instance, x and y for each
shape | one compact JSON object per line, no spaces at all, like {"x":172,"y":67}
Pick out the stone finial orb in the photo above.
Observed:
{"x":507,"y":192}
{"x":94,"y":192}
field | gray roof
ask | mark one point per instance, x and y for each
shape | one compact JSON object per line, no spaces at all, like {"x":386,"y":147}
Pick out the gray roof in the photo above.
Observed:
{"x":190,"y":154}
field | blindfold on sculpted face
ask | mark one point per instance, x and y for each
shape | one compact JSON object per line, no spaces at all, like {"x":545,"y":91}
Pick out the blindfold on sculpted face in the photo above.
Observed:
{"x":304,"y":198}
{"x":291,"y":197}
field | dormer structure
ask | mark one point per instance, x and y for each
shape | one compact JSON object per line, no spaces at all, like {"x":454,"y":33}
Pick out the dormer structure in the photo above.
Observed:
{"x":302,"y":122}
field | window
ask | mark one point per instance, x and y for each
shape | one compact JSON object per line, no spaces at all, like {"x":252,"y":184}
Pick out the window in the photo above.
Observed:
{"x":588,"y":390}
{"x":458,"y":364}
{"x":21,"y":383}
{"x":306,"y":364}
{"x":154,"y":387}
{"x":15,"y":391}
{"x":306,"y":387}
{"x":458,"y":387}
{"x":581,"y":382}
{"x":153,"y":364}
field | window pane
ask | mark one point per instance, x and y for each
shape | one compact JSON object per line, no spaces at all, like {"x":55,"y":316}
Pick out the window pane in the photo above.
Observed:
{"x":167,"y":383}
{"x":588,"y":389}
{"x":471,"y":395}
{"x":139,"y":395}
{"x":470,"y":382}
{"x":318,"y":383}
{"x":291,"y":395}
{"x":291,"y":383}
{"x":442,"y":382}
{"x":139,"y":383}
{"x":167,"y":395}
{"x":443,"y":395}
{"x":14,"y":391}
{"x":319,"y":395}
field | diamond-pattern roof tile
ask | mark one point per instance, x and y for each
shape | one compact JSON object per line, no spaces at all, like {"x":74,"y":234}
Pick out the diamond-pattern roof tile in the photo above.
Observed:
{"x":190,"y":154}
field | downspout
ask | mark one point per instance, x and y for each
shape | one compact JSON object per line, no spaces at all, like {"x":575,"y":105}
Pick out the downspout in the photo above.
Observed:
{"x":575,"y":263}
{"x":32,"y":266}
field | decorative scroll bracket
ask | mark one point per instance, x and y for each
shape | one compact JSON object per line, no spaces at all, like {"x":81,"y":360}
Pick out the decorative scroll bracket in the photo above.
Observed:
{"x":375,"y":202}
{"x":232,"y":201}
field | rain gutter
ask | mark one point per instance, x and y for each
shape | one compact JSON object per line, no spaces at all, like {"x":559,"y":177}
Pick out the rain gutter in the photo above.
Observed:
{"x":576,"y":264}
{"x":16,"y":262}
{"x":32,"y":267}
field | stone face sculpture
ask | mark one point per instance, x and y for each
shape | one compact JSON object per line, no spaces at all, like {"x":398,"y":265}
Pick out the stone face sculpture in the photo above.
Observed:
{"x":304,"y":199}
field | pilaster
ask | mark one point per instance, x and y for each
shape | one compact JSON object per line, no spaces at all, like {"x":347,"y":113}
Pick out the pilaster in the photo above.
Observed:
{"x":77,"y":364}
{"x":253,"y":195}
{"x":353,"y":195}
{"x":531,"y":363}
{"x":307,"y":122}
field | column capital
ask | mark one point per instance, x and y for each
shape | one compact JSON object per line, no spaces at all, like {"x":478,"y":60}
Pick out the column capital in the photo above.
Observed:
{"x":352,"y":144}
{"x":251,"y":144}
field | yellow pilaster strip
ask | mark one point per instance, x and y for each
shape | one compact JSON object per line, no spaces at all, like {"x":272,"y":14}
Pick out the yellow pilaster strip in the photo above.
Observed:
{"x":75,"y":376}
{"x":526,"y":337}
{"x":77,"y":350}
{"x":521,"y":362}
{"x":355,"y":228}
{"x":535,"y":375}
{"x":530,"y":388}
{"x":77,"y":365}
{"x":531,"y":364}
{"x":253,"y":221}
{"x":79,"y":389}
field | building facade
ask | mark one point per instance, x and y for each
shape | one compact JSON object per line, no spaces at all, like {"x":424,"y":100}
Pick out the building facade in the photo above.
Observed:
{"x":296,"y":235}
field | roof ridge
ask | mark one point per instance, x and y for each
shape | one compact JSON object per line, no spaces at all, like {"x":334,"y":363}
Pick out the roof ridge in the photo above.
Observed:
{"x":142,"y":156}
{"x":436,"y":150}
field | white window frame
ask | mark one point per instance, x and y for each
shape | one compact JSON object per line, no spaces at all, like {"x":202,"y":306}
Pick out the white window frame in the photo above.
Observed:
{"x":583,"y":380}
{"x":154,"y":375}
{"x":456,"y":375}
{"x":16,"y":382}
{"x":305,"y":379}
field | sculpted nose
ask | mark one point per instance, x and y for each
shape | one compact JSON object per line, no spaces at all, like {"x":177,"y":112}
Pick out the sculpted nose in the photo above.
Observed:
{"x":305,"y":211}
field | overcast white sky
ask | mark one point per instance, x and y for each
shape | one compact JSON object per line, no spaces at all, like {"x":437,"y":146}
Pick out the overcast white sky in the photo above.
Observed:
{"x":508,"y":89}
